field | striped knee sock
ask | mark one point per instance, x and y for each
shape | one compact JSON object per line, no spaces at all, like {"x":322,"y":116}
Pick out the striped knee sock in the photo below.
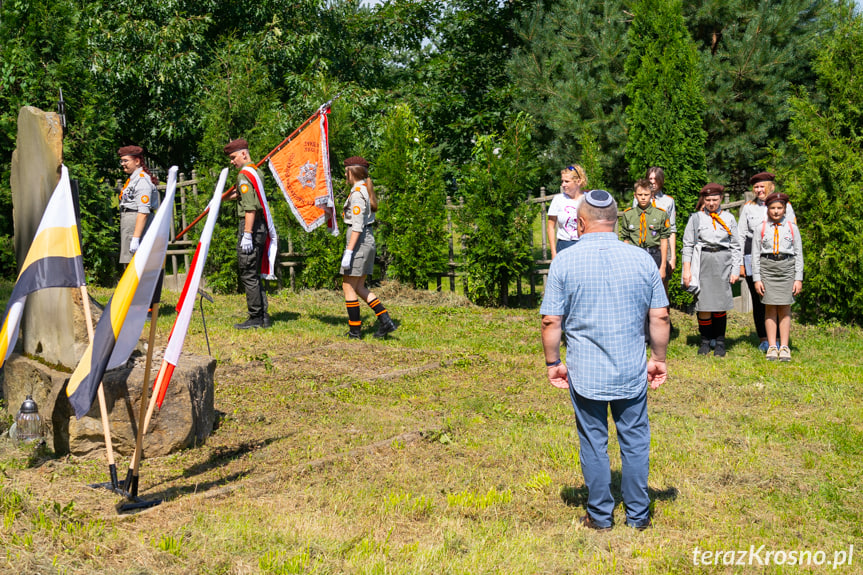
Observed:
{"x":354,"y":320}
{"x":720,"y":320}
{"x":377,"y":307}
{"x":705,"y":327}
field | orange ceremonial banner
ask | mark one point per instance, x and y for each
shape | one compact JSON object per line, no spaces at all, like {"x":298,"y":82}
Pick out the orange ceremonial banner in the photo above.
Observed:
{"x":302,"y":171}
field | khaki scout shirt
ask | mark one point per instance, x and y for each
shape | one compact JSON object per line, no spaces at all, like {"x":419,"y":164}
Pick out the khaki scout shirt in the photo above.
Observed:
{"x":248,"y":200}
{"x":656,"y":226}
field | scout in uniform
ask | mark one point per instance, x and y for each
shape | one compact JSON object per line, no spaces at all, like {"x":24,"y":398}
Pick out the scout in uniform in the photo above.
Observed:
{"x":139,"y":199}
{"x":752,"y":215}
{"x":656,"y":176}
{"x":777,"y":270}
{"x":255,"y":233}
{"x":646,"y":226}
{"x":358,"y":260}
{"x":711,"y":263}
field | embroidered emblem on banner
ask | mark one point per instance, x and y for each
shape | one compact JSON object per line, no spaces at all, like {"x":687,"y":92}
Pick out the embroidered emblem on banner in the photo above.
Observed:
{"x":308,"y":175}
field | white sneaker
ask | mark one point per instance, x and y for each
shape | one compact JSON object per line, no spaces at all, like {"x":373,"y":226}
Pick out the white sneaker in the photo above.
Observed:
{"x":784,"y":353}
{"x":772,"y":353}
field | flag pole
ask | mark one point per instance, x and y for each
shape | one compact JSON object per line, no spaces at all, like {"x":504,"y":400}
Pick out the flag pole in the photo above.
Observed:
{"x":103,"y":408}
{"x":324,"y":107}
{"x":131,"y":485}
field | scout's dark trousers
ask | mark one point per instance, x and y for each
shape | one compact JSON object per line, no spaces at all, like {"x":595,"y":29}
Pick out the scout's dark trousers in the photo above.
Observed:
{"x":250,"y":270}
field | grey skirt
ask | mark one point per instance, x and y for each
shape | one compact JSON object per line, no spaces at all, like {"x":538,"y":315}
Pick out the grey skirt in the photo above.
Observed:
{"x":363,"y":262}
{"x":715,"y":293}
{"x":778,"y":280}
{"x":127,"y":228}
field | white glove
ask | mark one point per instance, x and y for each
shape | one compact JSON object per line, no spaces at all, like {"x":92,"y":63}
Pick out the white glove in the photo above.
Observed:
{"x":246,"y":245}
{"x":346,"y":259}
{"x":134,"y":245}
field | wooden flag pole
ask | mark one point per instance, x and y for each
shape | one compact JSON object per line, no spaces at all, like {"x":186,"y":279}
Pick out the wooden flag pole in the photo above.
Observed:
{"x":152,"y":407}
{"x":131,"y":485}
{"x":103,"y":407}
{"x":284,"y":142}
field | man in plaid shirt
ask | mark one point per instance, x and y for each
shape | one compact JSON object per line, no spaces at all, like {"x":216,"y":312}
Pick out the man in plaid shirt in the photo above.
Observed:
{"x":600,"y":292}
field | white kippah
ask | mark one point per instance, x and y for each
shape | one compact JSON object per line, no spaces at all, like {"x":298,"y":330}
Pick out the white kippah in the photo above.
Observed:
{"x":598,"y":198}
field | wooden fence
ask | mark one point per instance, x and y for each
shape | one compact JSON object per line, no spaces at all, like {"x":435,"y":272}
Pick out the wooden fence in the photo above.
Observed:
{"x":289,"y":261}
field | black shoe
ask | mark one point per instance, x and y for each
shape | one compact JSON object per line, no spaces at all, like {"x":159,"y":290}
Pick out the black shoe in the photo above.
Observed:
{"x":385,"y":326}
{"x":353,"y":334}
{"x":251,"y":323}
{"x":266,"y":321}
{"x":719,"y":350}
{"x":705,"y":347}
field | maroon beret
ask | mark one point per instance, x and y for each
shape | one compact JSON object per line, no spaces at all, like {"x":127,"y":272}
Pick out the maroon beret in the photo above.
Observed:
{"x":236,"y":146}
{"x":761,"y":177}
{"x":130,"y":151}
{"x":356,"y":161}
{"x":712,"y":189}
{"x":776,"y":197}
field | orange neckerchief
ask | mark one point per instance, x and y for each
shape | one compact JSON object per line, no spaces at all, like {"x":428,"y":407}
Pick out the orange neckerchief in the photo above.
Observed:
{"x":642,"y":228}
{"x":715,"y":217}
{"x":126,"y":185}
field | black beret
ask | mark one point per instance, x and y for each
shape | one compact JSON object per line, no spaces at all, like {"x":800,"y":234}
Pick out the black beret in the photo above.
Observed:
{"x":761,"y":177}
{"x":130,"y":151}
{"x":776,"y":197}
{"x":356,"y":161}
{"x":712,"y":189}
{"x":236,"y":146}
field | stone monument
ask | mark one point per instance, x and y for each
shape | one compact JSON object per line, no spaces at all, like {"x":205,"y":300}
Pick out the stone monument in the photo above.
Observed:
{"x":35,"y":172}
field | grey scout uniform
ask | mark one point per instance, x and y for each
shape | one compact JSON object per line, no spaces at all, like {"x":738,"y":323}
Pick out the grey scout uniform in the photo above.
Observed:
{"x":721,"y":255}
{"x":789,"y":245}
{"x":139,"y":195}
{"x":752,"y":215}
{"x":358,"y":217}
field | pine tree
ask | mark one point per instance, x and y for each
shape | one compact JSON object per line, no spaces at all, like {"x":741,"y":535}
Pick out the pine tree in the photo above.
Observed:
{"x":826,"y":185}
{"x":753,"y":53}
{"x":569,"y":77}
{"x":666,"y":107}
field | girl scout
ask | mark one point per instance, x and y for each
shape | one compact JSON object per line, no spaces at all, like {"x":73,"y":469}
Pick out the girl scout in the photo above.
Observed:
{"x":138,"y":200}
{"x":777,"y":270}
{"x":358,"y":260}
{"x":711,"y":263}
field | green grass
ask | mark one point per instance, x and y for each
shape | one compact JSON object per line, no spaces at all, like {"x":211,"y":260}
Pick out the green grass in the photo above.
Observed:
{"x":314,"y":468}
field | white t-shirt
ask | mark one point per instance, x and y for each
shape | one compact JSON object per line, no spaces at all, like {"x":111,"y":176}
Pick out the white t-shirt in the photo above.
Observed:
{"x":564,"y":208}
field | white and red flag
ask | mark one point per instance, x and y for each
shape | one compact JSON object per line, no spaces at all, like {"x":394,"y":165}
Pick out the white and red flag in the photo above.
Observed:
{"x":186,"y":304}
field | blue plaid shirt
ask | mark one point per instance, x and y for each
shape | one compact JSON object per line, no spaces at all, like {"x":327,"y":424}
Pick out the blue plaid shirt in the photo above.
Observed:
{"x":603,"y":289}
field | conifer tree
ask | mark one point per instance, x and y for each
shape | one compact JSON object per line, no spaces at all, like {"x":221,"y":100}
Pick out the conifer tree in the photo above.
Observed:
{"x":753,"y":53}
{"x":412,"y":197}
{"x":666,"y":105}
{"x":826,"y":186}
{"x":569,"y":76}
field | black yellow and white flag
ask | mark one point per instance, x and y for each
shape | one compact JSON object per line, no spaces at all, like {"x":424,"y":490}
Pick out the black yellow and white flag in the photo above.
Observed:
{"x":124,"y":317}
{"x":54,"y":260}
